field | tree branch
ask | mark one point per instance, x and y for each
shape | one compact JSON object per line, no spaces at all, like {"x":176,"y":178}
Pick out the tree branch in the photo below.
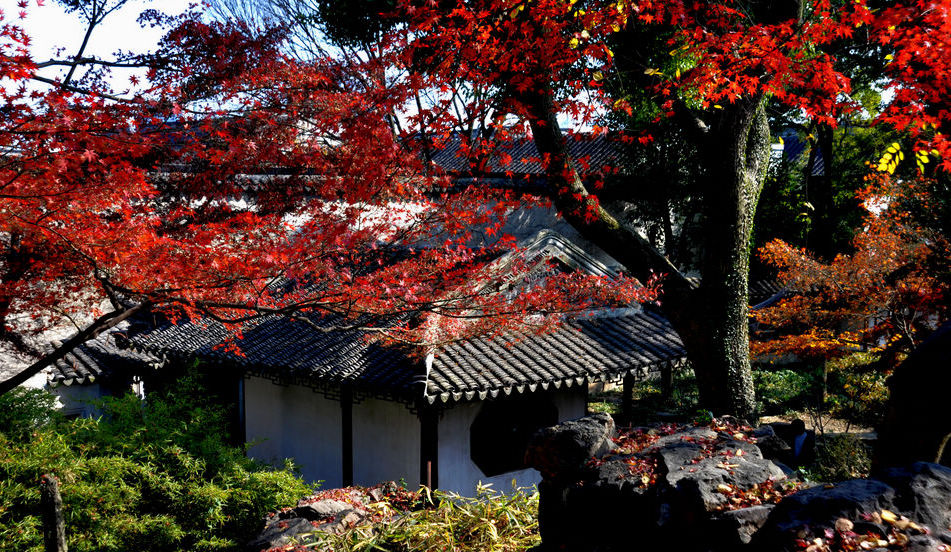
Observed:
{"x":88,"y":61}
{"x":100,"y":325}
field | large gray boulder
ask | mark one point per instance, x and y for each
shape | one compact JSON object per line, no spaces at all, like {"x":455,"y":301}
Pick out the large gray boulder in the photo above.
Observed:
{"x":700,"y":479}
{"x":667,"y":495}
{"x":563,"y":451}
{"x":924,"y":493}
{"x":280,"y":532}
{"x":321,"y":510}
{"x":810,"y":512}
{"x":735,"y":528}
{"x":771,"y":444}
{"x":346,"y":519}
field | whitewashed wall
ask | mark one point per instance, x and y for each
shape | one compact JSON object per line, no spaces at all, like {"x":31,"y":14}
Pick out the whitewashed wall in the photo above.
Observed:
{"x":386,"y":440}
{"x":459,"y":474}
{"x":294,"y":422}
{"x":74,"y":400}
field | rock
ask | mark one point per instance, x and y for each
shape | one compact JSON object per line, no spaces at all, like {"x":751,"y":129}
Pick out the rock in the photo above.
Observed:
{"x":344,"y":520}
{"x":924,"y":543}
{"x":562,"y":451}
{"x":375,"y":494}
{"x":924,"y":493}
{"x":321,"y":510}
{"x":916,"y":423}
{"x":697,"y":480}
{"x":280,"y":533}
{"x":863,"y":527}
{"x":737,"y":527}
{"x":693,"y":434}
{"x":608,"y":497}
{"x":771,"y":445}
{"x":811,"y":511}
{"x":763,"y":431}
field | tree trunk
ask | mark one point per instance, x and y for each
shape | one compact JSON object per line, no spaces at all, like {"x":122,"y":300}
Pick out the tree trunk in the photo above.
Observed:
{"x":820,"y":195}
{"x":711,"y":320}
{"x":716,"y":331}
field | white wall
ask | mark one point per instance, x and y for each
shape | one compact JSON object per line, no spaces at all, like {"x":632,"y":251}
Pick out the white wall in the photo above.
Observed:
{"x":459,"y":474}
{"x":73,"y":400}
{"x":294,"y":422}
{"x":386,"y":441}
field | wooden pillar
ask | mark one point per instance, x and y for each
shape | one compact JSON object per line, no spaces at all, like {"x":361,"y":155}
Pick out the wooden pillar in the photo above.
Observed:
{"x":429,"y":447}
{"x":667,"y":381}
{"x":241,"y":433}
{"x":51,"y":503}
{"x":346,"y":435}
{"x":627,"y":399}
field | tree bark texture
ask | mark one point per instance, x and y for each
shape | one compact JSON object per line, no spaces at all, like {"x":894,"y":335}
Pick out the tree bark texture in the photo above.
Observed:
{"x":711,"y":319}
{"x":736,"y":153}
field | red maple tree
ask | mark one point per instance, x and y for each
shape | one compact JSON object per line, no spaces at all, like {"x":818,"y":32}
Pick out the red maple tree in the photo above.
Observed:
{"x":549,"y":58}
{"x":243,"y":183}
{"x":362,"y":223}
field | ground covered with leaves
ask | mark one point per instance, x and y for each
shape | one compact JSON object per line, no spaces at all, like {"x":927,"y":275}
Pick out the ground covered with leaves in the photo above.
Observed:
{"x":880,"y":531}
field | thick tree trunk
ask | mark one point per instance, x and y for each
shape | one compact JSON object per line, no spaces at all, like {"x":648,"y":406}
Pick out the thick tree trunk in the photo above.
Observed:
{"x":819,"y":193}
{"x":737,"y":155}
{"x":712,"y":320}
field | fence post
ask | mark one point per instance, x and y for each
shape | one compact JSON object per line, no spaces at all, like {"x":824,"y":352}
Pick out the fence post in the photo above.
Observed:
{"x":54,"y":529}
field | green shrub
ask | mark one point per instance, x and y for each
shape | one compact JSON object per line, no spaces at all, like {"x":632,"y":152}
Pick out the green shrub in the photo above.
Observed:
{"x":857,"y":391}
{"x":155,"y":476}
{"x":24,"y":410}
{"x":839,"y":457}
{"x":779,"y":391}
{"x":649,"y":397}
{"x":608,"y":402}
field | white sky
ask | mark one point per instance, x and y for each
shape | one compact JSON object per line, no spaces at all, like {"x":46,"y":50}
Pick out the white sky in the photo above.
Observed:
{"x":50,"y":27}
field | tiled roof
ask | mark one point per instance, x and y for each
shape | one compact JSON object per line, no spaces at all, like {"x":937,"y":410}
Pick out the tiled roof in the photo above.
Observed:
{"x":597,"y":152}
{"x":291,"y":351}
{"x":764,"y":290}
{"x":795,"y":149}
{"x":95,"y":360}
{"x":593,"y":348}
{"x":599,"y":347}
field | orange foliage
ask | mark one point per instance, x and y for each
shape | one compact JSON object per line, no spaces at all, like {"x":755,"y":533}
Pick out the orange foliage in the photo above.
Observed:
{"x":882,"y":296}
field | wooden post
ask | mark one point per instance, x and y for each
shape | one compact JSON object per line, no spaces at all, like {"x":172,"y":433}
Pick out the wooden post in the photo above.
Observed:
{"x":429,"y":447}
{"x":51,"y":503}
{"x":627,"y":399}
{"x":667,"y":381}
{"x":346,"y":434}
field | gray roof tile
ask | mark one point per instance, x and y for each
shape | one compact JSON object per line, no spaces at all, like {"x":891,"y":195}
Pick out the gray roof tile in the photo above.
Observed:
{"x":96,"y":360}
{"x":592,"y":348}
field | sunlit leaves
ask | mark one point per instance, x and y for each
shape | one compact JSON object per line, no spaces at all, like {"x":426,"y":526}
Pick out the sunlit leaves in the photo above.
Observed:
{"x":890,"y":159}
{"x":882,"y":296}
